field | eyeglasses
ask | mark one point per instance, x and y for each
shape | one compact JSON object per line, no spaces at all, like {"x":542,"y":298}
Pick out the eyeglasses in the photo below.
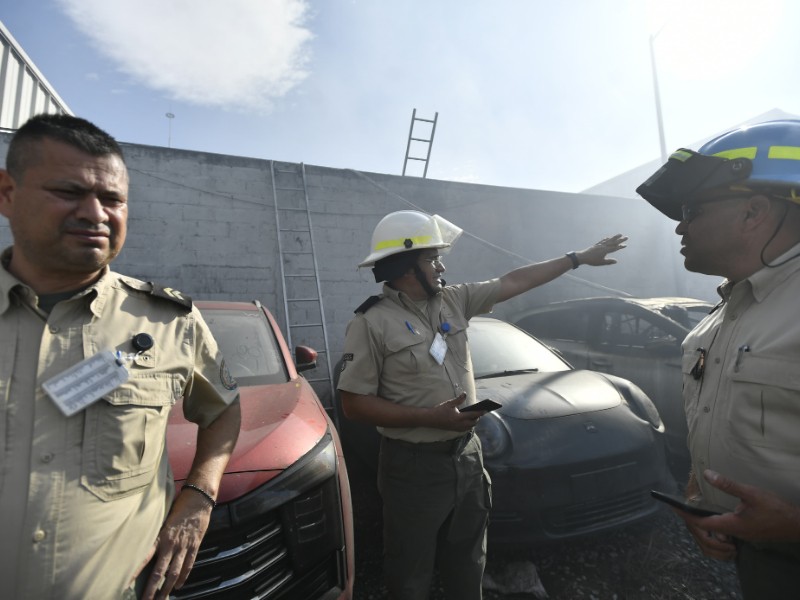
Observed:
{"x":690,"y":212}
{"x":434,"y":261}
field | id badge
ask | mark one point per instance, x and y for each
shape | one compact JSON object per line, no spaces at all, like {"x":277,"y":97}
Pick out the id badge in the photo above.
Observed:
{"x":85,"y":383}
{"x":438,"y":348}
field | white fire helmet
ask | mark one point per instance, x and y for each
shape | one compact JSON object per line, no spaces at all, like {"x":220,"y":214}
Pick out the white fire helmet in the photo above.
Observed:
{"x":407,"y":230}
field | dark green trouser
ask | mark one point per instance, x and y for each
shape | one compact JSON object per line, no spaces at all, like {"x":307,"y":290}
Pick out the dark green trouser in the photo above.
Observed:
{"x":436,"y":501}
{"x":769,"y":571}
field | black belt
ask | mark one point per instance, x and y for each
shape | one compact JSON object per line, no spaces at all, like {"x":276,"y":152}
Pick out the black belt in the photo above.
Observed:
{"x":453,"y":446}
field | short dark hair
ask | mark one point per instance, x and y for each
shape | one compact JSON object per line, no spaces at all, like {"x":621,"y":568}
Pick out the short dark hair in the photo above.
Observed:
{"x":67,"y":129}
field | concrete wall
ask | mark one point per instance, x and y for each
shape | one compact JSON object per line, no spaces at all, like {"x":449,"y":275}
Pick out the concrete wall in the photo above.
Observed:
{"x":205,"y":224}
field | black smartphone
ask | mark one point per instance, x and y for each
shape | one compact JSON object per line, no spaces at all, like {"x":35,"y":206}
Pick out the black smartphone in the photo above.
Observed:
{"x":699,"y":509}
{"x":486,"y":405}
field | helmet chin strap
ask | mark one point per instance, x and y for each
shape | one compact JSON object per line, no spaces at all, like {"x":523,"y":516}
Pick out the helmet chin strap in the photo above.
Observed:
{"x":423,"y":281}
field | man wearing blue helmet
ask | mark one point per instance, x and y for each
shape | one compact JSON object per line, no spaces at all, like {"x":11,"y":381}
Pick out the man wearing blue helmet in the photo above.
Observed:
{"x":737,"y":203}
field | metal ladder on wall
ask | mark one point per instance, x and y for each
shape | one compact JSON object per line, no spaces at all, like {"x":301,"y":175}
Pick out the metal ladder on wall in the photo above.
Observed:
{"x":302,"y":293}
{"x":429,"y":141}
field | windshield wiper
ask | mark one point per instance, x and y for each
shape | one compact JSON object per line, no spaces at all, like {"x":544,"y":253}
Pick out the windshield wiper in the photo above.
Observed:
{"x":506,"y":373}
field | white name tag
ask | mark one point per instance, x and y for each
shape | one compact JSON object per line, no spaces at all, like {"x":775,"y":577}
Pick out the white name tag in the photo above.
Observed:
{"x":85,"y":383}
{"x":438,"y":348}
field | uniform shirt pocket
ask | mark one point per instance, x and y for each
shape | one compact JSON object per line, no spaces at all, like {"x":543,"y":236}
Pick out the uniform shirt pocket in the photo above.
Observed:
{"x":124,"y":436}
{"x":764,"y":409}
{"x":407,"y":355}
{"x":457,"y":344}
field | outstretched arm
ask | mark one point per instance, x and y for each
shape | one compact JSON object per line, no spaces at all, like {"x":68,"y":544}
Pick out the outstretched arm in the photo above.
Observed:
{"x":526,"y":278}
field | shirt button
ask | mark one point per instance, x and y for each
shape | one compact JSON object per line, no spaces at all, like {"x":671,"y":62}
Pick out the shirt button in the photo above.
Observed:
{"x":706,"y":409}
{"x":39,"y":535}
{"x":734,"y":317}
{"x":47,"y":457}
{"x":53,"y":328}
{"x":716,"y":360}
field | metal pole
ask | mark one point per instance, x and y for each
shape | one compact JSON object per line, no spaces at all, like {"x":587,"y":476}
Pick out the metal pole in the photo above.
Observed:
{"x":169,"y":116}
{"x":659,"y":117}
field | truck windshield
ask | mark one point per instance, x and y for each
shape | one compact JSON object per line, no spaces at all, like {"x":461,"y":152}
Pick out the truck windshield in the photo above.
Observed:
{"x":248,"y":345}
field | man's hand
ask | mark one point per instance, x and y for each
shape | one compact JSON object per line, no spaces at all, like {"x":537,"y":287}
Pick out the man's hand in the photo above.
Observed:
{"x":760,"y":516}
{"x":526,"y":278}
{"x":179,"y":539}
{"x":177,"y":544}
{"x":447,"y":416}
{"x":596,"y":255}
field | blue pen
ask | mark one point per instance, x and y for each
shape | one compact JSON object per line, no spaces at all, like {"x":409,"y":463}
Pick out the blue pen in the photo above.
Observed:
{"x":410,"y":328}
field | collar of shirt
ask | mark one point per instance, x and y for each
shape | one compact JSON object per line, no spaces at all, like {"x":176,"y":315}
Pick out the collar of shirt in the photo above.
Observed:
{"x":434,"y":305}
{"x":9,"y":283}
{"x":763,"y":281}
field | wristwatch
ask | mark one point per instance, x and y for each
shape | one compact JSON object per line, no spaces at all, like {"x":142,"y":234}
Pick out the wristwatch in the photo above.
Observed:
{"x":574,"y":258}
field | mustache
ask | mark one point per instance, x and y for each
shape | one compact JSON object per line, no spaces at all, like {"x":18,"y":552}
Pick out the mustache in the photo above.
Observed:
{"x":86,"y":227}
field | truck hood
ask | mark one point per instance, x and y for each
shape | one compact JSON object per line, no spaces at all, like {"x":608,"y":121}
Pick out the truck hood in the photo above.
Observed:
{"x":549,"y":395}
{"x":280,"y":423}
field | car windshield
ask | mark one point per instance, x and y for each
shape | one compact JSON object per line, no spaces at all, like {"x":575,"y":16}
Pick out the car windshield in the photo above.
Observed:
{"x":248,"y":345}
{"x":499,"y":348}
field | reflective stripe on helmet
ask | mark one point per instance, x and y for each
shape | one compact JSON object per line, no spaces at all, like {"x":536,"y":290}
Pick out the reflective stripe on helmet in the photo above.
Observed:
{"x":738,"y":153}
{"x":401,"y":242}
{"x":784,"y":152}
{"x":776,"y":152}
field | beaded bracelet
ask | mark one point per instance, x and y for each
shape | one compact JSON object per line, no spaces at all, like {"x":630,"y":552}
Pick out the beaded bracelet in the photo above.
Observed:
{"x":202,"y":492}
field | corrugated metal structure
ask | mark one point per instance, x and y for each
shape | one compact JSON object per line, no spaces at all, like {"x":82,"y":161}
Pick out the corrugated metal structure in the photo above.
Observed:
{"x":24,"y":91}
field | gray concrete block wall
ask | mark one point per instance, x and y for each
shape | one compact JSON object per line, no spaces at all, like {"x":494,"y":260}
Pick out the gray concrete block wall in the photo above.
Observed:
{"x":205,"y":224}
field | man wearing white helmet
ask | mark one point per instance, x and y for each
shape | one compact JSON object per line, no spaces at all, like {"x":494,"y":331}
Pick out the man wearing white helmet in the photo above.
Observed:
{"x":737,"y":203}
{"x":407,"y":370}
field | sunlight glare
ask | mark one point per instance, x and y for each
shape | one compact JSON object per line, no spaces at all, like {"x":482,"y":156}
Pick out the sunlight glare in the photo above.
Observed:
{"x":710,"y":39}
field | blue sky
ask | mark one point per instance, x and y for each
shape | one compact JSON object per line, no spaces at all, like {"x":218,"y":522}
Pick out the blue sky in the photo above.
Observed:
{"x":530,"y":93}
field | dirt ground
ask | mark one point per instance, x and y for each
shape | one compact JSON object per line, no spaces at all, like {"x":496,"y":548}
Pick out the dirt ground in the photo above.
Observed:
{"x":652,"y":560}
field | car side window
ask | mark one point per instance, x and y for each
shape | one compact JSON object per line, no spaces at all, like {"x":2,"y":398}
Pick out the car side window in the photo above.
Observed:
{"x":626,"y":330}
{"x":571,"y":326}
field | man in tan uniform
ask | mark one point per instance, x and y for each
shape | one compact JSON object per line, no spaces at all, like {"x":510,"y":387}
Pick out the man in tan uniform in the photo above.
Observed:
{"x":407,"y":369}
{"x":86,"y":491}
{"x":737,"y":203}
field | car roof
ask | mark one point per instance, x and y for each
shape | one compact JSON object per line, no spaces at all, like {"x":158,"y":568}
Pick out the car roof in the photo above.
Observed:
{"x":655,"y":302}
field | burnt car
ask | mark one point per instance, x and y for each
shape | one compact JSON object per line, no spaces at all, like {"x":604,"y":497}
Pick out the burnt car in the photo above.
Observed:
{"x":635,"y":338}
{"x":282,"y":528}
{"x":569,"y":452}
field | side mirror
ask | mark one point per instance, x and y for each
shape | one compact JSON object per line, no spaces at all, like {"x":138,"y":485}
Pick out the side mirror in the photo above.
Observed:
{"x":305,"y":358}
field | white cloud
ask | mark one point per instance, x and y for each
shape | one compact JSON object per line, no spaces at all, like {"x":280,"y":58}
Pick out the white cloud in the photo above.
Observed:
{"x":224,"y":53}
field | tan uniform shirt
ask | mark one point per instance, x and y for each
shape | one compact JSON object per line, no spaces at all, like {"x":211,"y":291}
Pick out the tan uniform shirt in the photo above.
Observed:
{"x":387,"y":351}
{"x":744,"y":413}
{"x":82,"y":498}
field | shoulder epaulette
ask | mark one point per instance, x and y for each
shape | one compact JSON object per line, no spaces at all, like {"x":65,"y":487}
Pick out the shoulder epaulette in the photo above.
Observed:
{"x":367,"y":304}
{"x":170,"y":294}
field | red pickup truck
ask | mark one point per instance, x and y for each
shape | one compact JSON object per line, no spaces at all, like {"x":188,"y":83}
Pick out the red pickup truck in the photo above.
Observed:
{"x":283,"y":526}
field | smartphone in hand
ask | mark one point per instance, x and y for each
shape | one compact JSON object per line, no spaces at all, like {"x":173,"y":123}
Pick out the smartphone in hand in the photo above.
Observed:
{"x":487,"y":405}
{"x":699,"y":509}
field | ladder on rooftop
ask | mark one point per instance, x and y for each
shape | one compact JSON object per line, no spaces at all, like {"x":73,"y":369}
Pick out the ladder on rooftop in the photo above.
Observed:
{"x":302,"y":293}
{"x":425,"y":142}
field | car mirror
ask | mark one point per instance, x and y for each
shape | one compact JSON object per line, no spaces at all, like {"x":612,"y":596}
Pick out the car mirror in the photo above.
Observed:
{"x":305,"y":358}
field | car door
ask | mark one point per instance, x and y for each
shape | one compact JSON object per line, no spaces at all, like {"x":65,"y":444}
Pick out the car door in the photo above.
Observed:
{"x":644,"y":348}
